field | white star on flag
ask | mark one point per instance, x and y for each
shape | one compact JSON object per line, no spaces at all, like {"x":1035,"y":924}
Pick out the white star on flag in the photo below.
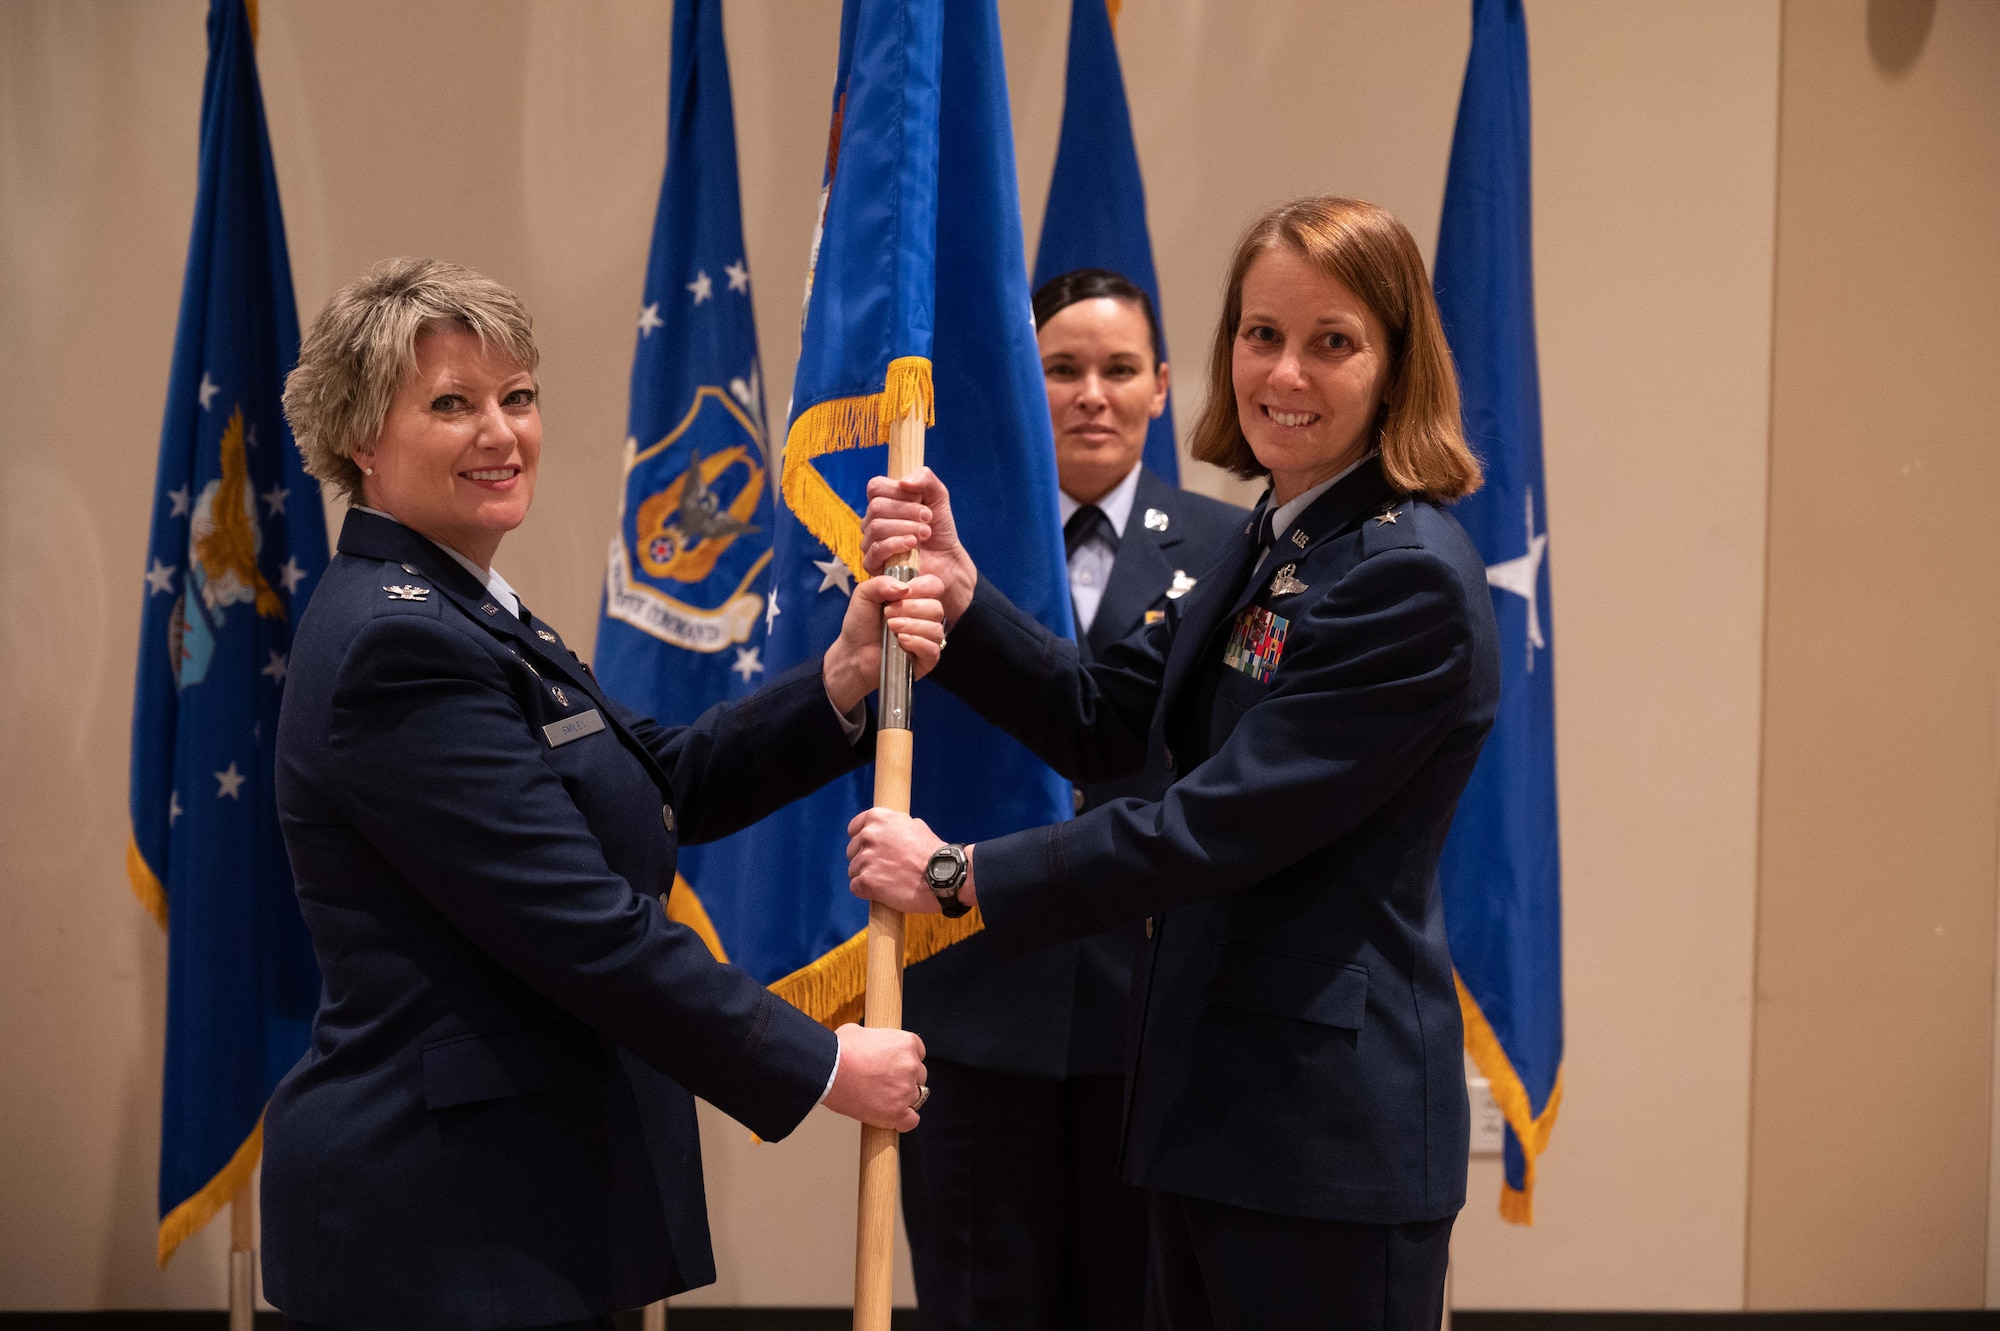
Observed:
{"x":231,"y":782}
{"x":702,"y":286}
{"x":275,"y":668}
{"x":834,"y":574}
{"x":739,"y":277}
{"x":291,"y":575}
{"x":1521,"y":575}
{"x":208,"y":389}
{"x":275,"y":498}
{"x":160,"y":577}
{"x":178,"y":501}
{"x":174,"y":809}
{"x":771,"y":612}
{"x":649,"y":319}
{"x":747,"y":663}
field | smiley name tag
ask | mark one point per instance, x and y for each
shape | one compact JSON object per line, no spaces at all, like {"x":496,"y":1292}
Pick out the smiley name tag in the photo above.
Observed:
{"x":1257,"y":643}
{"x":573,"y":727}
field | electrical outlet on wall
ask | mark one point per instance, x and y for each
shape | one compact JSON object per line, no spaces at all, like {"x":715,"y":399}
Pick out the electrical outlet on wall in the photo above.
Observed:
{"x":1488,"y":1125}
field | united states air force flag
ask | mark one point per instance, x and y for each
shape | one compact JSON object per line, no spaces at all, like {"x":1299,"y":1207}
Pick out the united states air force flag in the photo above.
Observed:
{"x":238,"y":543}
{"x":1096,"y":214}
{"x":917,"y":298}
{"x":1502,"y":868}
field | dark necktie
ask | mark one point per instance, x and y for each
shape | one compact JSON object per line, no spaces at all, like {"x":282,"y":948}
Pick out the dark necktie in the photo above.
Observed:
{"x":1088,"y":523}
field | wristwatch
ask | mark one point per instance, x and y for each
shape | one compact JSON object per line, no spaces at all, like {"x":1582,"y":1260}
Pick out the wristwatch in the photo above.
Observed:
{"x":944,"y":874}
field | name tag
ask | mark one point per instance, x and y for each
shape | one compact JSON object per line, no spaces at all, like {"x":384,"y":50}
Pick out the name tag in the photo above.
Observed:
{"x":573,"y":727}
{"x":1257,"y":643}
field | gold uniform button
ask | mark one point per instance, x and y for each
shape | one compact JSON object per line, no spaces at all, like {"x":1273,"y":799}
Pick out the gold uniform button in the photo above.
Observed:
{"x":1076,"y":798}
{"x":667,"y":816}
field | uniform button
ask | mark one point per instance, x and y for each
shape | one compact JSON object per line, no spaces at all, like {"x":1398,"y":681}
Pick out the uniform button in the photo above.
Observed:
{"x":667,"y":816}
{"x":1149,"y":926}
{"x":1076,"y":798}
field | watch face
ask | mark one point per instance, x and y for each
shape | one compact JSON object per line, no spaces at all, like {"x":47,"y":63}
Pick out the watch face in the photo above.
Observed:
{"x":940,"y":869}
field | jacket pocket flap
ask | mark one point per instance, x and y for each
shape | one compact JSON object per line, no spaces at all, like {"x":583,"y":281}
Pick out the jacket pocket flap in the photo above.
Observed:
{"x":470,"y":1068}
{"x":1285,"y":984}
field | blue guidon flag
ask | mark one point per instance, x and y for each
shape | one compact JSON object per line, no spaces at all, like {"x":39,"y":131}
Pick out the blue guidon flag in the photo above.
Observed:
{"x":1096,"y":214}
{"x":917,"y":298}
{"x":238,"y":543}
{"x":1502,"y":867}
{"x":687,"y":585}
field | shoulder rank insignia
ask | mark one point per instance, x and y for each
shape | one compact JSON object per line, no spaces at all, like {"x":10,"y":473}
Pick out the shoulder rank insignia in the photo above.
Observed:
{"x":1386,"y":517}
{"x":407,"y":592}
{"x":1285,"y":584}
{"x":1181,"y":585}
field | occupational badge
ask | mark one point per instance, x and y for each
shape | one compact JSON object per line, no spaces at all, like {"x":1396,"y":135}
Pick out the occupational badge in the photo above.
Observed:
{"x":1181,"y":585}
{"x":1285,"y":584}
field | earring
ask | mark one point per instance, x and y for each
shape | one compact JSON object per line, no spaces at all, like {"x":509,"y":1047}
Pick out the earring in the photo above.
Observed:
{"x":367,"y":471}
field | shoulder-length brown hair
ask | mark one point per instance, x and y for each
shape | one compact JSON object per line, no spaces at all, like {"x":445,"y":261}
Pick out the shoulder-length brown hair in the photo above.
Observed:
{"x":1372,"y":254}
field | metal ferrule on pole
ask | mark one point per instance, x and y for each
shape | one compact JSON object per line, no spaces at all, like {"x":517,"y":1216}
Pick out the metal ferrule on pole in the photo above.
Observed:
{"x":898,"y":677}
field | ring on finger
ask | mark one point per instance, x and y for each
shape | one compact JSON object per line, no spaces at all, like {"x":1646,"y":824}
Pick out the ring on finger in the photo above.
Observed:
{"x":923,"y":1094}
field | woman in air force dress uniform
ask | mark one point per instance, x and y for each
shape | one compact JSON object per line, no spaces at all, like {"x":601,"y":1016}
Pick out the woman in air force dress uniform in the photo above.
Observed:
{"x":1296,"y":1096}
{"x":494,"y":1123}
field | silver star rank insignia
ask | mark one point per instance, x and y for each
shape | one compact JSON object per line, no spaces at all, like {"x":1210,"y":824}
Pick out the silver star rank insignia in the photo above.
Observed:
{"x":407,"y":592}
{"x":1385,"y":518}
{"x":1285,"y":584}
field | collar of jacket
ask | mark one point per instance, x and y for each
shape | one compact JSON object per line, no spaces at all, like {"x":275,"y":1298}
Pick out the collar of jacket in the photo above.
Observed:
{"x":367,"y":536}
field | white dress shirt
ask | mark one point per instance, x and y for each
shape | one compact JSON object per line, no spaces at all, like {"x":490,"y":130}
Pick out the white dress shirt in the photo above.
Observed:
{"x":1090,"y":566}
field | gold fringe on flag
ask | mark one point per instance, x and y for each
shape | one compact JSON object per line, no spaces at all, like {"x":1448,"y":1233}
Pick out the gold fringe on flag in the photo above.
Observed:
{"x":1517,"y":1207}
{"x":829,"y":989}
{"x":145,"y":885}
{"x":843,"y":423}
{"x":229,"y":1183}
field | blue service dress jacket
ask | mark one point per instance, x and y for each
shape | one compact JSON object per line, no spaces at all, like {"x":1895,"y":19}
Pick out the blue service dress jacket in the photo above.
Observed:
{"x":1295,"y":1037}
{"x":494,"y":1124}
{"x":1060,"y":1011}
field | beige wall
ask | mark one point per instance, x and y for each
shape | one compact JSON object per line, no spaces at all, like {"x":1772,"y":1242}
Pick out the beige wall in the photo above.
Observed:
{"x":1870,"y":1122}
{"x":525,"y":138}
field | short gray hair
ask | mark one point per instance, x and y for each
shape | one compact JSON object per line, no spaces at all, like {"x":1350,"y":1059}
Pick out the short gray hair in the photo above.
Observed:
{"x":363,"y":346}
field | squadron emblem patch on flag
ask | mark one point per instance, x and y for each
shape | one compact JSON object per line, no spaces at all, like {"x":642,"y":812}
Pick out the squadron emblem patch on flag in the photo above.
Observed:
{"x":1257,"y":643}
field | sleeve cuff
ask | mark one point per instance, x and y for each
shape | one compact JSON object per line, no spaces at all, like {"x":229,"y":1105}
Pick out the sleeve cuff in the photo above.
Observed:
{"x":831,"y":1074}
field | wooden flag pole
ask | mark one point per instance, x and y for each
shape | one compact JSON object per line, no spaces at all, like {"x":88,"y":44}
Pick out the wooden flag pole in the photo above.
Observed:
{"x":882,"y":1005}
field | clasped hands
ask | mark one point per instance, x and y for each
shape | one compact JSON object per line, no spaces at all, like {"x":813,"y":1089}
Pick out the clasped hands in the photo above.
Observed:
{"x":886,"y":850}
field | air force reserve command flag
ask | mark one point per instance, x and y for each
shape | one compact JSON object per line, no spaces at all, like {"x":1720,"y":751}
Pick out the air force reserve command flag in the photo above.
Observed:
{"x":685,"y":588}
{"x":238,"y":543}
{"x":917,"y":297}
{"x":1502,"y":868}
{"x":1096,"y":214}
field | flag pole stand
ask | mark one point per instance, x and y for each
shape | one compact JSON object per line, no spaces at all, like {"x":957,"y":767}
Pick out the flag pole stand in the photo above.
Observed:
{"x":882,"y":1005}
{"x":243,"y":1258}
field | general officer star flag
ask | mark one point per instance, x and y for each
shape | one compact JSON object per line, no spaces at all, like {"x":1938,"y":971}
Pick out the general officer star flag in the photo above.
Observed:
{"x":238,"y":543}
{"x":1502,"y":867}
{"x":917,"y":298}
{"x":1096,"y":214}
{"x":687,"y":581}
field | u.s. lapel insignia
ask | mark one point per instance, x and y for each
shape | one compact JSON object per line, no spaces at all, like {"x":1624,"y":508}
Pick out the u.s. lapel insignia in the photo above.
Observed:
{"x":1385,"y":518}
{"x":407,"y":592}
{"x":1181,"y":585}
{"x":1155,"y":520}
{"x":545,"y":635}
{"x":1299,"y":537}
{"x":1285,"y":584}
